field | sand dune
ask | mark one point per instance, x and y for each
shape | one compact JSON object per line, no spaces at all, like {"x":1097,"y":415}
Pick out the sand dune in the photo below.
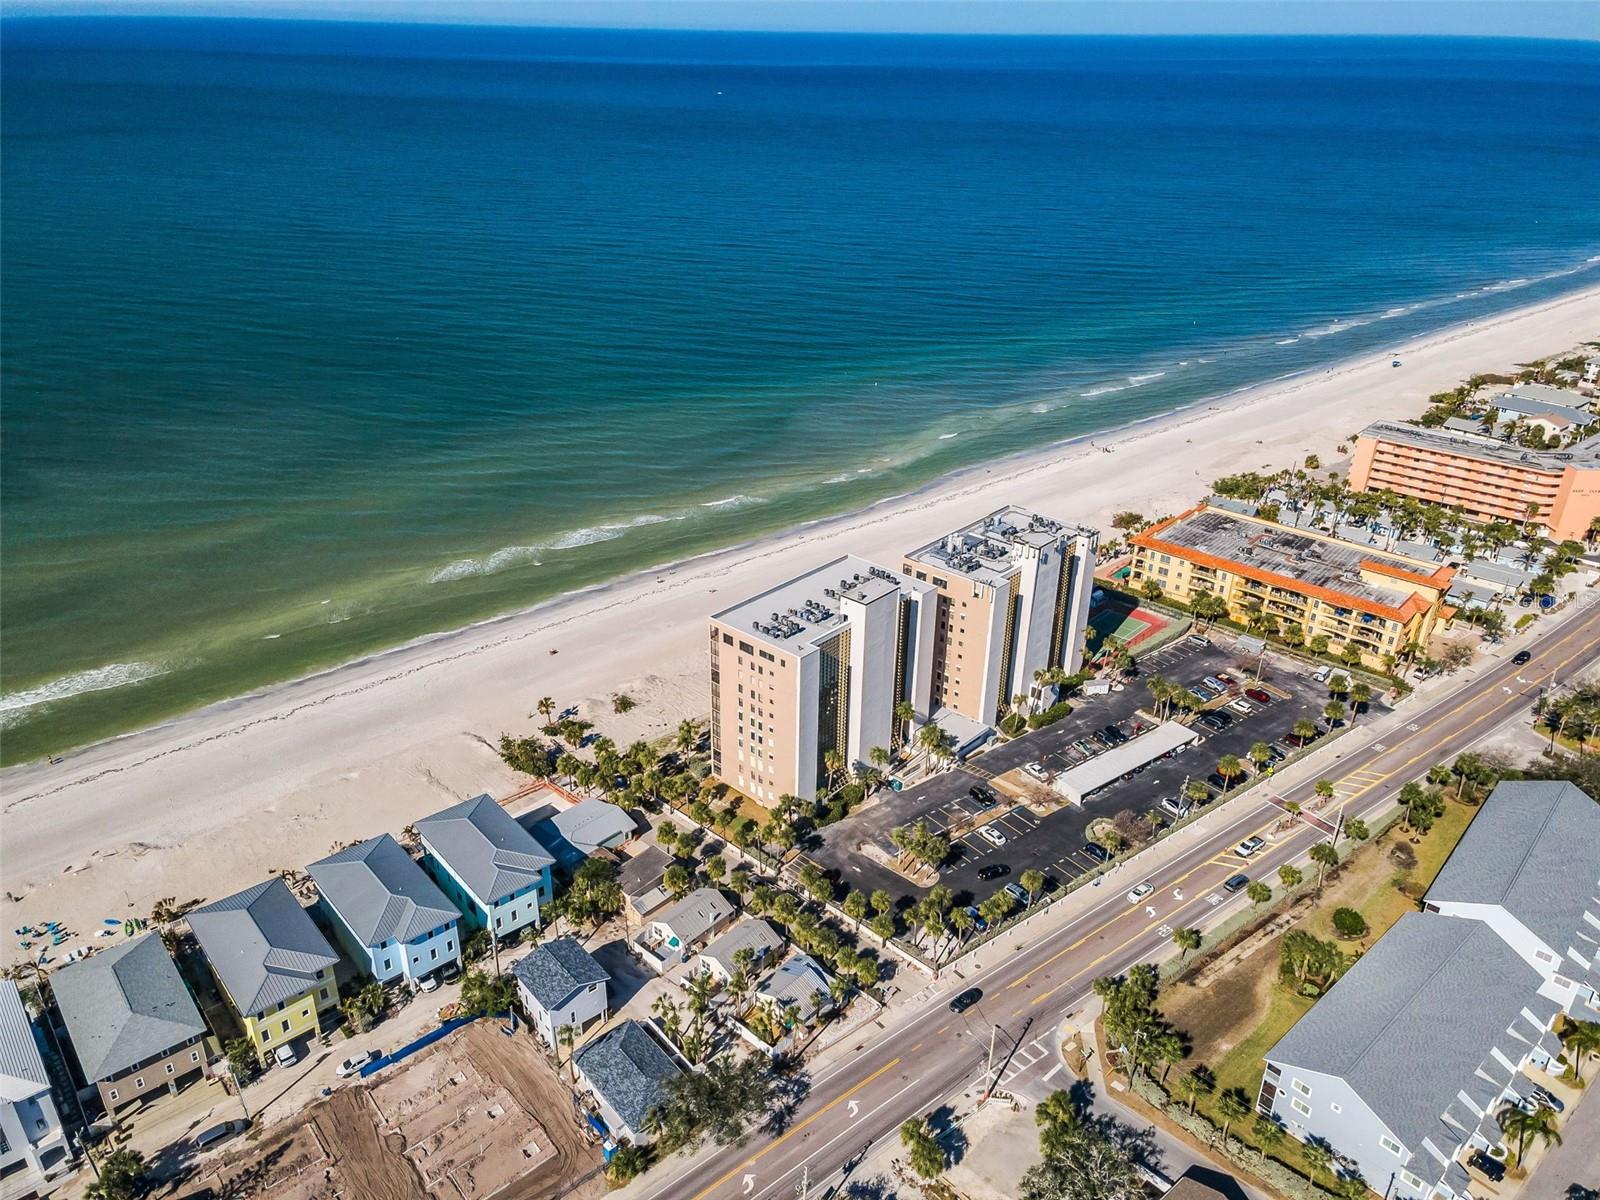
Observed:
{"x":209,"y":803}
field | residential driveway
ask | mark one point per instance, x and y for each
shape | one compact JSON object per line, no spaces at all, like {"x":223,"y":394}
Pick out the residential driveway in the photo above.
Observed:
{"x":1570,"y":1171}
{"x":1053,"y":842}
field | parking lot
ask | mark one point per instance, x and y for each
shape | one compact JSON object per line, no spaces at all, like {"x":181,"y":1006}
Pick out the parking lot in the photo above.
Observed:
{"x":1053,"y":841}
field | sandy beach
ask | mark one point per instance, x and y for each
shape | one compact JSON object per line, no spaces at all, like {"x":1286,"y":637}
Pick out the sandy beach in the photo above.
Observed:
{"x":209,"y":803}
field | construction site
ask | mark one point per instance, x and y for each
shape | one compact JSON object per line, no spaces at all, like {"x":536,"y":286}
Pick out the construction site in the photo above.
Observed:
{"x":477,"y":1115}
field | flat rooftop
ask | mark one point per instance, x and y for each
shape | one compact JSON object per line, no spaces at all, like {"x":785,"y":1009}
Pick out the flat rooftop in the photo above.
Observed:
{"x":804,"y":609}
{"x":1316,"y":562}
{"x":1476,"y":445}
{"x":986,"y":550}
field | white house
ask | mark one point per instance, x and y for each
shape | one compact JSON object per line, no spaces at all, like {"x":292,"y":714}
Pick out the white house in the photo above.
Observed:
{"x":799,"y":983}
{"x":626,"y":1072}
{"x":490,"y":867}
{"x":676,"y":931}
{"x":387,"y":912}
{"x":34,"y":1155}
{"x":719,"y":958}
{"x":561,"y":985}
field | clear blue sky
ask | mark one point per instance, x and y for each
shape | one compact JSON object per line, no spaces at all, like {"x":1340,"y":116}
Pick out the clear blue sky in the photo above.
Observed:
{"x":1490,"y":18}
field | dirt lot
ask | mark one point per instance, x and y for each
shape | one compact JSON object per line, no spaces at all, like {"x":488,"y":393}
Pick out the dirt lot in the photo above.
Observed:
{"x":479,"y":1115}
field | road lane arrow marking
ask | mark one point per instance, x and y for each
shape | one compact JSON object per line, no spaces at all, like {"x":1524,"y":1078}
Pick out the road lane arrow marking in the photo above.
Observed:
{"x":749,"y":1183}
{"x":855,"y":1109}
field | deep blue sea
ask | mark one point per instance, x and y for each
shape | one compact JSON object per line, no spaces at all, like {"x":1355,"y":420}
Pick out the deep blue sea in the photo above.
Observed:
{"x":318,"y":337}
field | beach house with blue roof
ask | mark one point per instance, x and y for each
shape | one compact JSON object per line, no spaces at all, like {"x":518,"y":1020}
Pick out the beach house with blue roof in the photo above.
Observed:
{"x":493,"y":869}
{"x":389,"y":915}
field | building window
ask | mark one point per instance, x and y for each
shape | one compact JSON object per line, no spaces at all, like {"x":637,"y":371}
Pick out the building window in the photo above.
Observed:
{"x":1300,"y":1106}
{"x":1544,"y":956}
{"x":1301,"y":1088}
{"x":1410,"y":1180}
{"x":139,"y":1082}
{"x":285,"y":1027}
{"x":323,"y":994}
{"x":194,"y":1056}
{"x":113,"y":1093}
{"x":1334,"y":1108}
{"x":1392,"y":1146}
{"x":266,"y":1035}
{"x":169,"y":1068}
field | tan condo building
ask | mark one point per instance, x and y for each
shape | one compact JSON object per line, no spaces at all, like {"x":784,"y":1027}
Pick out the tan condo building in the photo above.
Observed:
{"x":815,"y":667}
{"x":1346,"y":592}
{"x":1013,"y":593}
{"x":1488,"y":479}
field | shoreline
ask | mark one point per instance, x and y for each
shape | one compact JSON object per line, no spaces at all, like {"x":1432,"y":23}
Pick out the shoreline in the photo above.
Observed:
{"x":374,"y":742}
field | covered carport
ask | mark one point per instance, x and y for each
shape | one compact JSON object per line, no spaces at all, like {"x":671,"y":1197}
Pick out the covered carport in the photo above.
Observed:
{"x":1078,"y":783}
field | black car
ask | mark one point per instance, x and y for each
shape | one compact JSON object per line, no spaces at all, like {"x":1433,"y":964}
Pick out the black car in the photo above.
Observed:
{"x":1520,"y":657}
{"x":1236,"y":883}
{"x":1114,"y":735}
{"x":993,"y":871}
{"x":966,"y":1000}
{"x":1096,"y":851}
{"x":982,"y":795}
{"x":1490,"y":1168}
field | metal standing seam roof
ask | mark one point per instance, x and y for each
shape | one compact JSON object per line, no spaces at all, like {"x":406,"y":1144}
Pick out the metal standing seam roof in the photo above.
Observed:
{"x":629,"y":1071}
{"x":749,"y":934}
{"x":690,"y":918}
{"x":22,"y":1073}
{"x":1534,"y":849}
{"x":1533,"y":406}
{"x":1395,"y":1027}
{"x":380,"y":893}
{"x":557,"y":970}
{"x":486,"y":849}
{"x":263,"y":944}
{"x":1119,"y":760}
{"x":125,"y":1005}
{"x":587,"y":826}
{"x":797,"y":979}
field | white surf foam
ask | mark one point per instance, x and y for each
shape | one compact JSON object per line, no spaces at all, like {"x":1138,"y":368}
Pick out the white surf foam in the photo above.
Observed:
{"x":14,"y":705}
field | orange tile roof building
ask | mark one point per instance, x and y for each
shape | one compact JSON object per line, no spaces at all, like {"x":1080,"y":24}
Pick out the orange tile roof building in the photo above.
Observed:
{"x":1486,"y":478}
{"x":1378,"y":600}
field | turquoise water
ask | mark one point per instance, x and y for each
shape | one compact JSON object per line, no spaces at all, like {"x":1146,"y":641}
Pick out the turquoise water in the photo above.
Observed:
{"x":321,"y":337}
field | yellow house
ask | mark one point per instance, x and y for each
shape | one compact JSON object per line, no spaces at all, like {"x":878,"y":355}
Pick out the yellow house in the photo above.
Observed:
{"x":271,"y":961}
{"x":1377,"y":601}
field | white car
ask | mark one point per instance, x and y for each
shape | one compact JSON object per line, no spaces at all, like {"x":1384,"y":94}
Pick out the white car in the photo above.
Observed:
{"x":1249,"y":846}
{"x":353,"y":1065}
{"x":992,"y":835}
{"x":284,"y":1055}
{"x":1242,"y":707}
{"x":1036,"y":769}
{"x":1140,"y":892}
{"x":428,"y":983}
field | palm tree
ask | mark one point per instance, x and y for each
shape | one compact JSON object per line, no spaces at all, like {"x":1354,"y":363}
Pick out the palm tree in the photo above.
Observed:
{"x":1198,"y":1082}
{"x":547,"y":708}
{"x":1260,"y":754}
{"x":1304,"y":730}
{"x":1032,"y":881}
{"x":1527,"y":1126}
{"x":1233,"y":1105}
{"x":1581,"y":1038}
{"x":1325,"y":856}
{"x":1230,"y":768}
{"x":1258,"y":892}
{"x":1324,"y":789}
{"x":1360,"y":697}
{"x":1187,"y":941}
{"x":688,"y":734}
{"x":1317,"y":1157}
{"x":1268,"y":1133}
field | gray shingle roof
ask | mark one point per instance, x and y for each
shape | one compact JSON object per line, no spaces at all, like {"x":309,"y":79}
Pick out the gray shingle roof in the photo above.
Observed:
{"x":1535,"y":849}
{"x":629,"y":1071}
{"x":21,"y":1066}
{"x":1395,"y":1027}
{"x":701,"y":910}
{"x":749,"y":934}
{"x":556,"y":970}
{"x":584,"y":828}
{"x":263,"y":944}
{"x":380,"y":893}
{"x":796,"y":980}
{"x":643,"y":872}
{"x":125,"y":1005}
{"x":485,"y":848}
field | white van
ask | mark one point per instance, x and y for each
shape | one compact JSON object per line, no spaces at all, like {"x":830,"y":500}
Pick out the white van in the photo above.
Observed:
{"x":1320,"y":675}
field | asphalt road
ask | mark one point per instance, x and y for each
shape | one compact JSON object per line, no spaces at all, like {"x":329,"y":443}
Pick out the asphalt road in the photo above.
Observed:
{"x":930,"y":1057}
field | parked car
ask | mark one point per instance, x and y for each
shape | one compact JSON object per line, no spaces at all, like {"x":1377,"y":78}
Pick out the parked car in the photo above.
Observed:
{"x":966,"y":1000}
{"x":1215,"y":684}
{"x":1544,"y":1098}
{"x":978,"y":922}
{"x":1321,"y":674}
{"x":1225,"y":679}
{"x":1140,"y":891}
{"x":1249,"y":846}
{"x":353,"y":1064}
{"x":1520,"y":657}
{"x":284,"y":1055}
{"x":1194,"y":639}
{"x":428,"y":983}
{"x":984,"y":796}
{"x":1491,"y":1169}
{"x":1018,"y":894}
{"x":217,"y":1133}
{"x":1176,"y":805}
{"x":1036,"y":769}
{"x":1114,"y":735}
{"x":1259,"y":695}
{"x":1096,"y":851}
{"x":993,"y":871}
{"x":1206,"y":691}
{"x":991,"y":835}
{"x":450,"y":972}
{"x":1241,"y":707}
{"x":1236,"y":883}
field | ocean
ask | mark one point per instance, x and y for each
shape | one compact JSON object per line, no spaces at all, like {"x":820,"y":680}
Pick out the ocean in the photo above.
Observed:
{"x":321,"y":337}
